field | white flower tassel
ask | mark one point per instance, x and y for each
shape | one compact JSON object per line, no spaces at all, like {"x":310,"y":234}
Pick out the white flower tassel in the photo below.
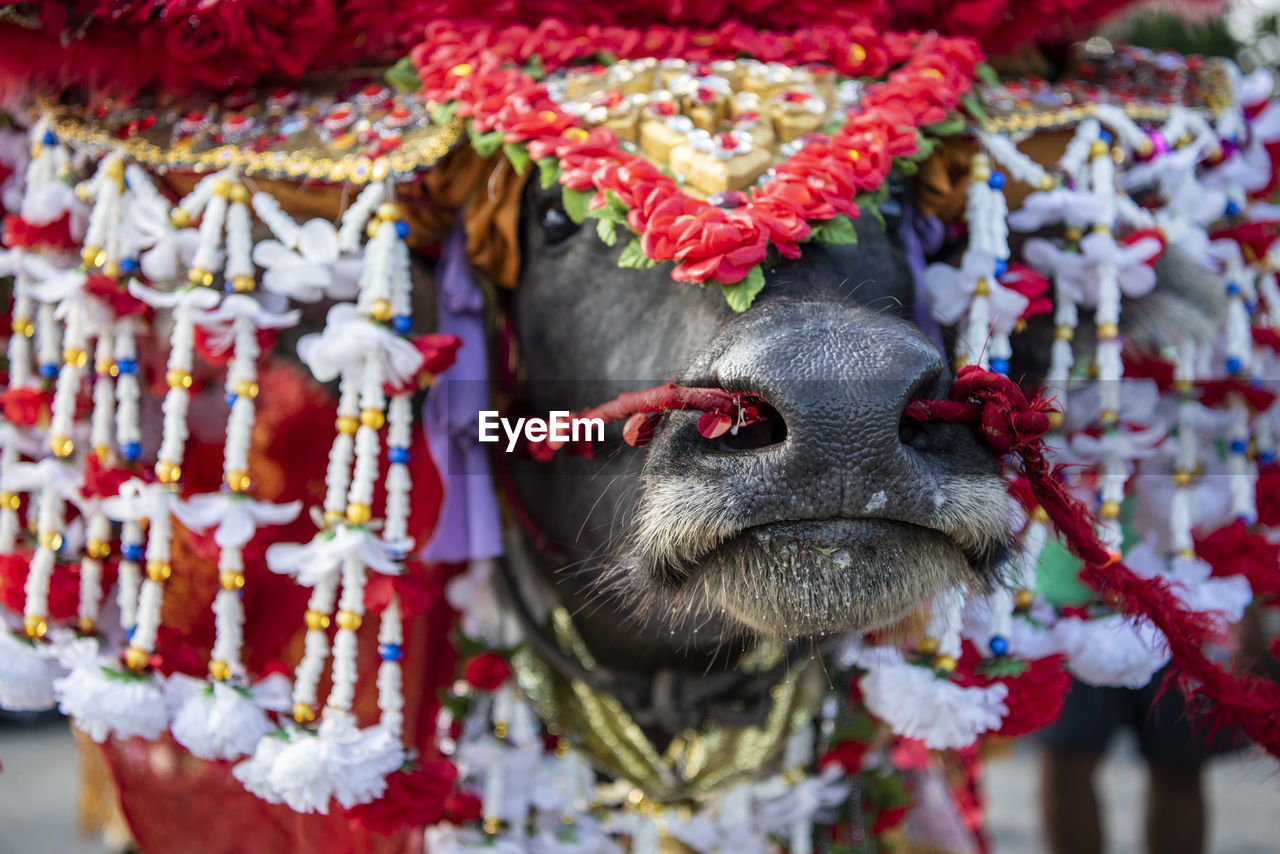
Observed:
{"x":223,"y":720}
{"x":103,"y":701}
{"x":26,"y":675}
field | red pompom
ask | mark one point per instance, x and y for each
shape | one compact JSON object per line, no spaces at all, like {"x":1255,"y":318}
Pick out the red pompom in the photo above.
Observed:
{"x":415,"y":798}
{"x":1234,"y":550}
{"x":25,"y":407}
{"x":847,"y":754}
{"x":487,"y":671}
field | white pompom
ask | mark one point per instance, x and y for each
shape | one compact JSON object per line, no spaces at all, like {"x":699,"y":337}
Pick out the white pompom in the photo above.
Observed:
{"x":102,"y":700}
{"x":1112,"y":651}
{"x":216,"y":720}
{"x":26,"y":676}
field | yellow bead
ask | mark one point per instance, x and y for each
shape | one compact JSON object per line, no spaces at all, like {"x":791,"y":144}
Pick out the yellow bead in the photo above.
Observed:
{"x":10,"y":501}
{"x":98,"y":549}
{"x":245,"y":388}
{"x":372,"y":418}
{"x":1101,"y":228}
{"x":1024,"y":599}
{"x":929,"y":646}
{"x":61,"y":446}
{"x":178,"y":378}
{"x":86,"y":625}
{"x":492,"y":825}
{"x":316,"y":621}
{"x":101,"y":452}
{"x":1098,"y":148}
{"x":349,"y":620}
{"x":231,"y":580}
{"x":115,"y":169}
{"x":945,"y":663}
{"x":75,"y":356}
{"x":168,"y":472}
{"x":380,"y":310}
{"x":371,"y":230}
{"x":1047,"y":182}
{"x":219,"y":670}
{"x":1064,"y":332}
{"x":1056,"y":420}
{"x":112,"y":269}
{"x":222,"y":187}
{"x":239,"y":193}
{"x":1110,"y":510}
{"x":136,"y":659}
{"x":500,"y":729}
{"x":159,"y":570}
{"x":103,"y":368}
{"x":562,"y":748}
{"x":959,"y":362}
{"x":22,"y":326}
{"x":1182,"y":478}
{"x":91,"y":255}
{"x":981,"y":288}
{"x":303,"y":714}
{"x":50,"y":540}
{"x":388,"y":212}
{"x":332,"y":516}
{"x":1108,"y":331}
{"x":199,"y":276}
{"x":1187,"y":553}
{"x":1146,"y":147}
{"x":1108,"y":416}
{"x":243,"y":284}
{"x":179,"y":218}
{"x":1072,"y":233}
{"x":238,"y":481}
{"x":358,"y":514}
{"x":348,"y":425}
{"x":35,"y":627}
{"x":980,"y":172}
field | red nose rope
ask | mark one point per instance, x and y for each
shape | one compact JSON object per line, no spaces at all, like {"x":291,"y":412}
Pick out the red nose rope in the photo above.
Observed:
{"x":1012,"y":424}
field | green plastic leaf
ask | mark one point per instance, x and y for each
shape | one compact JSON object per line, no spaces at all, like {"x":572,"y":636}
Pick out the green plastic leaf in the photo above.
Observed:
{"x":575,"y":204}
{"x":548,"y":172}
{"x":534,"y":68}
{"x":403,"y":76}
{"x":606,"y":229}
{"x":905,"y":166}
{"x":838,"y":230}
{"x":486,"y":144}
{"x":741,"y":294}
{"x":870,"y":204}
{"x":518,"y":155}
{"x":987,"y":75}
{"x":949,"y":126}
{"x":1002,"y":666}
{"x":924,"y":147}
{"x":633,"y":257}
{"x":975,"y":107}
{"x":442,"y":114}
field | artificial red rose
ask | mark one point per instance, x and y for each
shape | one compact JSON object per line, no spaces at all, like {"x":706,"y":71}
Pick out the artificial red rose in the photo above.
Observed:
{"x":486,"y":671}
{"x":1235,"y":550}
{"x":198,"y":30}
{"x":783,"y":218}
{"x":829,"y":178}
{"x":415,"y":594}
{"x":1216,"y":392}
{"x":847,"y":754}
{"x":204,"y":344}
{"x":26,"y":407}
{"x":922,"y":98}
{"x":634,"y":180}
{"x":115,"y":295}
{"x":438,"y":353}
{"x":887,"y":128}
{"x":413,"y":799}
{"x":292,"y":32}
{"x":1032,"y":285}
{"x":1255,"y":238}
{"x":101,"y":481}
{"x":578,"y":158}
{"x":709,"y":243}
{"x":18,"y":233}
{"x":462,"y":807}
{"x":888,"y":819}
{"x":523,"y":120}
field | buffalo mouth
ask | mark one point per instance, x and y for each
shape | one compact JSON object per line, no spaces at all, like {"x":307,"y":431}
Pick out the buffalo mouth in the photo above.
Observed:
{"x":795,"y":579}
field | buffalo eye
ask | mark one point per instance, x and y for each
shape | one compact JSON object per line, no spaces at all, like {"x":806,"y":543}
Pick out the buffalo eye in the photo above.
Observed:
{"x":557,"y":227}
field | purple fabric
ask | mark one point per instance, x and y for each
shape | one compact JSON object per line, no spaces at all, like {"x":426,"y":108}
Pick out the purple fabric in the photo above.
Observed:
{"x":470,"y":526}
{"x":921,"y":236}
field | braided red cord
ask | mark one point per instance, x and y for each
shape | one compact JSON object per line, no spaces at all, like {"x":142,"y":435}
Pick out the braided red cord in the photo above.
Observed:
{"x":1013,"y":424}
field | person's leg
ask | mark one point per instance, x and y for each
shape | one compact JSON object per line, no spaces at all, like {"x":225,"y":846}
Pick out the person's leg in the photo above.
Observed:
{"x":1072,"y":821}
{"x":1175,"y":810}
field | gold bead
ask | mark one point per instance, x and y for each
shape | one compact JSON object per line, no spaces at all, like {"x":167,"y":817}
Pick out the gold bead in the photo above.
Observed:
{"x":243,"y":284}
{"x":980,"y":173}
{"x":348,"y":425}
{"x":219,"y":670}
{"x":1064,"y":332}
{"x":372,"y":418}
{"x":136,"y":659}
{"x":1040,"y":515}
{"x":1101,"y":228}
{"x":24,"y":327}
{"x":1108,"y":331}
{"x":492,"y":825}
{"x":371,"y":230}
{"x":237,"y":480}
{"x":349,"y":620}
{"x":168,"y":472}
{"x":1024,"y":599}
{"x":75,"y":356}
{"x":1072,"y":233}
{"x":1110,"y":510}
{"x":115,"y":169}
{"x":1056,"y":420}
{"x":316,"y":621}
{"x":222,"y":187}
{"x":178,"y":378}
{"x":1047,"y":182}
{"x":86,"y":625}
{"x":929,"y":646}
{"x":1146,"y":147}
{"x":35,"y":626}
{"x":50,"y":540}
{"x":61,"y":446}
{"x":10,"y":501}
{"x":103,"y":368}
{"x":1108,"y":416}
{"x":245,"y":388}
{"x":982,"y":287}
{"x":562,"y":748}
{"x":179,"y":218}
{"x":388,"y":212}
{"x":1098,"y":148}
{"x":358,"y":514}
{"x":1183,"y":386}
{"x":303,"y":714}
{"x":159,"y":570}
{"x":1182,"y":478}
{"x":500,"y":729}
{"x":112,"y":269}
{"x":959,"y":362}
{"x":239,"y":193}
{"x":380,"y":310}
{"x":231,"y":580}
{"x":98,"y":549}
{"x":331,"y":516}
{"x":93,"y":256}
{"x":1186,"y":553}
{"x":196,"y":275}
{"x":945,"y":663}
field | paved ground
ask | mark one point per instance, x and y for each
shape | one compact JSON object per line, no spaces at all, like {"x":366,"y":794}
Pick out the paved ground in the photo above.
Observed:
{"x":37,"y":799}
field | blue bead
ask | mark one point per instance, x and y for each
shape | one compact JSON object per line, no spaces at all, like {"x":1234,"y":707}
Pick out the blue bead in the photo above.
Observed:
{"x":401,"y":323}
{"x":398,"y":455}
{"x":131,"y":450}
{"x":402,"y":229}
{"x":1234,"y":365}
{"x":49,"y":370}
{"x":128,"y":265}
{"x":1104,"y":136}
{"x":1000,"y":366}
{"x":996,"y":181}
{"x":132,"y":551}
{"x":390,"y":651}
{"x":1002,"y":267}
{"x":1266,"y":457}
{"x":1233,"y":209}
{"x":126,"y":366}
{"x":999,"y":646}
{"x":1233,"y":289}
{"x":1251,"y":305}
{"x":49,"y":138}
{"x":1239,"y":446}
{"x":231,"y":399}
{"x":129,"y":632}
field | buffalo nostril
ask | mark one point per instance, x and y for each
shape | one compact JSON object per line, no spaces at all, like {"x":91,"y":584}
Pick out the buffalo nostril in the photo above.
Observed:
{"x":769,"y":430}
{"x":910,"y":432}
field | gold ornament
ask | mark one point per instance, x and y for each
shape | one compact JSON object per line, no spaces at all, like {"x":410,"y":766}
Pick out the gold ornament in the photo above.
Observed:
{"x":35,"y":626}
{"x":372,"y":418}
{"x":358,"y":514}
